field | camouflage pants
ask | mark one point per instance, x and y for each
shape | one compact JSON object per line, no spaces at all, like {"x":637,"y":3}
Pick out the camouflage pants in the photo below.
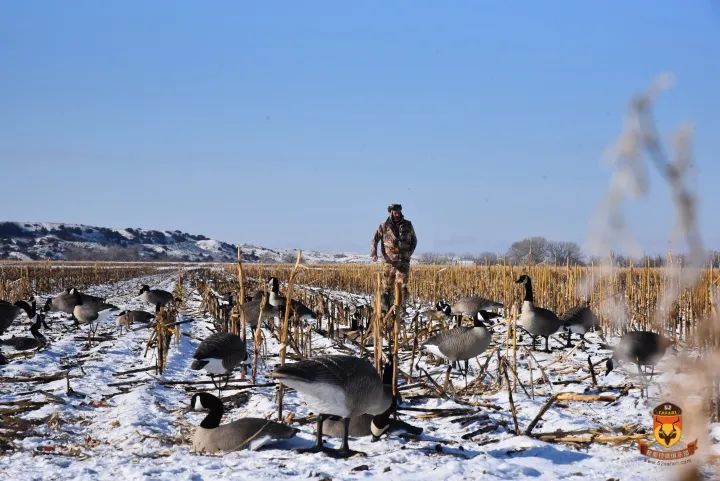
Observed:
{"x":399,"y":273}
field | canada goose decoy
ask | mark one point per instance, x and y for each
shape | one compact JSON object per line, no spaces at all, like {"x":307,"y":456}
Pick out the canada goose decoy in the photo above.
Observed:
{"x":580,"y":320}
{"x":67,"y":300}
{"x":275,"y":299}
{"x":278,"y":301}
{"x":344,"y":386}
{"x":536,"y":320}
{"x":642,"y":348}
{"x":442,"y":312}
{"x":9,"y":312}
{"x":125,"y":319}
{"x":469,"y":306}
{"x":251,"y":309}
{"x":87,"y":311}
{"x":24,"y":343}
{"x":218,"y":354}
{"x":462,"y":343}
{"x":155,"y":296}
{"x":361,"y":426}
{"x":252,"y":433}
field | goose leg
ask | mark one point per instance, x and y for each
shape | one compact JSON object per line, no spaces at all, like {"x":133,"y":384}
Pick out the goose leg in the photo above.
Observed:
{"x":447,"y":377}
{"x":225,"y":384}
{"x":344,"y":451}
{"x":652,"y":373}
{"x":643,"y":384}
{"x":318,"y":437}
{"x":534,"y":342}
{"x":569,"y":335}
{"x":215,"y":383}
{"x":547,"y":343}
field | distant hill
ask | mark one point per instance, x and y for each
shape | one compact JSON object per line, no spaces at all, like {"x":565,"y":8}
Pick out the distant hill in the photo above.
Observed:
{"x":44,"y":241}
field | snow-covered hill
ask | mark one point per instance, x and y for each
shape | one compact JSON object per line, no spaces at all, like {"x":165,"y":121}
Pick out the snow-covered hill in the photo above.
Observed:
{"x":44,"y":240}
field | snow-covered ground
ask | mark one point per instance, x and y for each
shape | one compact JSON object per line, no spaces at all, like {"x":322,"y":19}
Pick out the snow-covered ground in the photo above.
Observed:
{"x":141,"y":431}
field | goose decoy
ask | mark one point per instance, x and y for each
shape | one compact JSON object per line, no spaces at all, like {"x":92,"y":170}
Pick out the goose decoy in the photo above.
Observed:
{"x":275,"y":299}
{"x":580,"y":320}
{"x":63,"y":302}
{"x":252,"y":433}
{"x":470,"y":306}
{"x":642,"y":348}
{"x":24,"y":343}
{"x":442,"y":312}
{"x":125,"y":319}
{"x":9,"y":312}
{"x":361,"y":426}
{"x":87,"y":311}
{"x":344,"y":386}
{"x":251,"y":309}
{"x":155,"y":296}
{"x":67,"y":300}
{"x":297,"y":308}
{"x":219,"y":354}
{"x":462,"y":343}
{"x":536,"y":320}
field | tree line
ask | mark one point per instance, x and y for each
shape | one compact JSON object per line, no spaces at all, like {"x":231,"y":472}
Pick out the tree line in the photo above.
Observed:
{"x":539,"y":250}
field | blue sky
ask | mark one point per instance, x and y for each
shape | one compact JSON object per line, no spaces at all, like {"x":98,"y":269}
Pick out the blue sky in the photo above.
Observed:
{"x":294,"y":124}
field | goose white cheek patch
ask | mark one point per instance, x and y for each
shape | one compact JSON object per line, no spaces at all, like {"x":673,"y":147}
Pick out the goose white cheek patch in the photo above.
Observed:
{"x":376,"y":431}
{"x":198,"y":404}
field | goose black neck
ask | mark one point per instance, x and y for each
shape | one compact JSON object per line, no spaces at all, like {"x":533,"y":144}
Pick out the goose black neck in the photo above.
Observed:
{"x":382,"y":421}
{"x":212,"y":420}
{"x":27,"y":307}
{"x":528,"y":291}
{"x":35,"y":331}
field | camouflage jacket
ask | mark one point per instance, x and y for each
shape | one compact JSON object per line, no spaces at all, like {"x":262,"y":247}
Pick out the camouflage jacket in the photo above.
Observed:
{"x":397,"y":240}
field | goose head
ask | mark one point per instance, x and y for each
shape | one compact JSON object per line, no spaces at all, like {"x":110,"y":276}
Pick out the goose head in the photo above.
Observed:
{"x":77,"y":296}
{"x":444,"y":307}
{"x":483,"y":317}
{"x":144,"y":289}
{"x":28,"y":307}
{"x":523,"y":279}
{"x":204,"y":401}
{"x":274,"y":285}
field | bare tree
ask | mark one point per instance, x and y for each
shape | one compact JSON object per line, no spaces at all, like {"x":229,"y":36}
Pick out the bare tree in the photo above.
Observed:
{"x":564,"y":252}
{"x":531,"y":250}
{"x":434,"y":258}
{"x":486,"y":258}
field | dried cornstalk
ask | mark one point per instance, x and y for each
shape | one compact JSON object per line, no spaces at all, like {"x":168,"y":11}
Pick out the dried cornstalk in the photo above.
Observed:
{"x":284,"y":329}
{"x":241,"y":294}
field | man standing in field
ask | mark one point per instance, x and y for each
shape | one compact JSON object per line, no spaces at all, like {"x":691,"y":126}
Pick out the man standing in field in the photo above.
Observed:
{"x":397,"y":243}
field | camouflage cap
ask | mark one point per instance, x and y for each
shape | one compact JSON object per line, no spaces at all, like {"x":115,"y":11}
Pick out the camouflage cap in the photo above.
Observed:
{"x":393,"y":207}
